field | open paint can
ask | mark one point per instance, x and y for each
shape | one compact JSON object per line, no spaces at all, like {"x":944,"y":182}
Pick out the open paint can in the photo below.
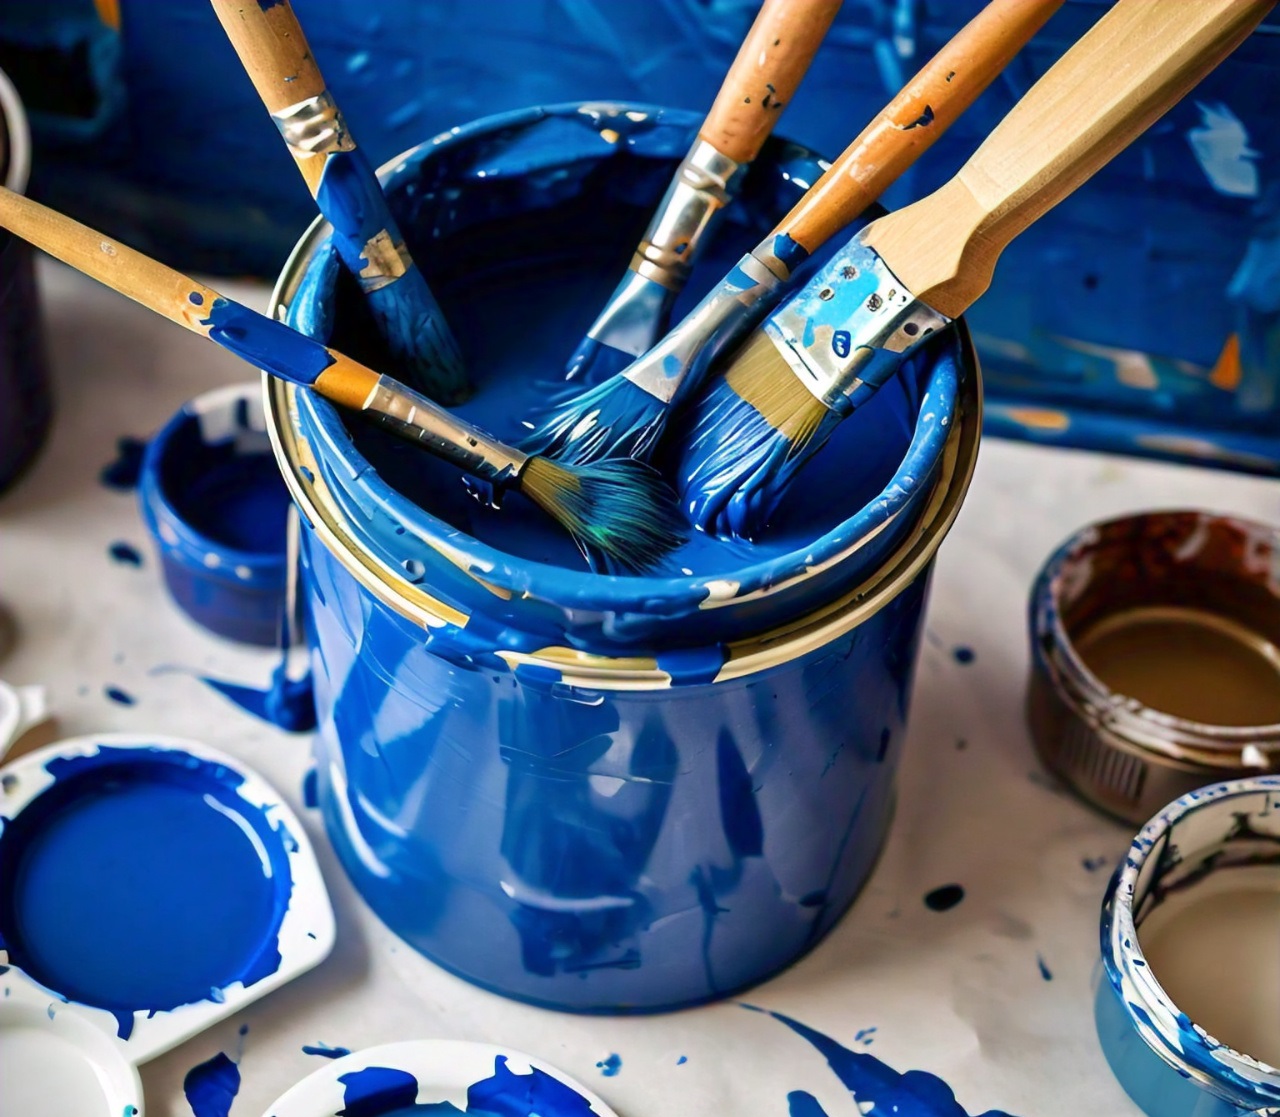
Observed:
{"x":601,"y":793}
{"x":26,"y":399}
{"x":216,"y":509}
{"x":149,"y":887}
{"x":1155,"y":650}
{"x":1188,"y":1004}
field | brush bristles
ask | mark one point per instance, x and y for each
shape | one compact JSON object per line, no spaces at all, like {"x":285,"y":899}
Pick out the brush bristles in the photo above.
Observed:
{"x":612,"y":420}
{"x":619,"y":511}
{"x":763,"y":379}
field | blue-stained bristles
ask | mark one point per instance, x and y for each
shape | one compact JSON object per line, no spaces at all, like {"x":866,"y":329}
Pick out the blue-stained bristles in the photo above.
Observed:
{"x":620,"y":512}
{"x":615,"y":419}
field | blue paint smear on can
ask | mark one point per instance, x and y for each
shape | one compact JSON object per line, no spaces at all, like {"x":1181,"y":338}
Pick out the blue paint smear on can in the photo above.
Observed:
{"x":140,"y":880}
{"x":122,"y":474}
{"x":944,"y":898}
{"x":286,"y":703}
{"x":122,"y":697}
{"x":210,"y":1087}
{"x":610,"y":1066}
{"x":889,"y":1093}
{"x":125,"y":554}
{"x":324,"y":1051}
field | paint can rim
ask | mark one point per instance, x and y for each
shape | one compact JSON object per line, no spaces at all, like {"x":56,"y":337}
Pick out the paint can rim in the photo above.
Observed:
{"x":17,"y":164}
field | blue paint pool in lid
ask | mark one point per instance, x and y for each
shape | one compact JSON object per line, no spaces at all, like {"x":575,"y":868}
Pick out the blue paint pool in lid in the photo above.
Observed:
{"x":438,"y":1077}
{"x":216,"y":509}
{"x":148,"y":888}
{"x":601,"y":794}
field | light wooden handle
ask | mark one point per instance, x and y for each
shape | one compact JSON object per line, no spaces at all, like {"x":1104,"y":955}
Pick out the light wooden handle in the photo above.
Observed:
{"x":1135,"y":63}
{"x":925,"y":108}
{"x":765,"y":74}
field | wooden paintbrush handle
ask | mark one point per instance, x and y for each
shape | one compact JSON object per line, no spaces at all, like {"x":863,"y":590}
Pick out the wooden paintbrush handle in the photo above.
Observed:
{"x":766,"y":72}
{"x":275,"y":55}
{"x":1135,"y":63}
{"x":925,"y":108}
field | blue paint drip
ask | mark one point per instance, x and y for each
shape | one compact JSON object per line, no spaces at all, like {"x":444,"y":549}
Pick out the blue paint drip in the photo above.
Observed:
{"x":802,"y":1104}
{"x":287,"y":703}
{"x":122,"y":474}
{"x":944,"y":898}
{"x":311,"y":789}
{"x":1045,"y":972}
{"x":324,"y":1051}
{"x":125,"y":553}
{"x":890,"y":1093}
{"x":682,"y":1060}
{"x":964,"y":654}
{"x":132,"y":883}
{"x":123,"y":698}
{"x":265,"y":343}
{"x":211,"y":1087}
{"x":610,"y":1066}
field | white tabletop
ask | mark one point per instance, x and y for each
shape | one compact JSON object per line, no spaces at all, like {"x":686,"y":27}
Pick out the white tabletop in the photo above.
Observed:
{"x":961,"y":993}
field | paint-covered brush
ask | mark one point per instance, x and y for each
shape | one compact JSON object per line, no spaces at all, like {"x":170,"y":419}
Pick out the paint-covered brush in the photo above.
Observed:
{"x":911,"y":273}
{"x":764,"y":76}
{"x":626,"y":413}
{"x":620,"y":513}
{"x":279,"y":62}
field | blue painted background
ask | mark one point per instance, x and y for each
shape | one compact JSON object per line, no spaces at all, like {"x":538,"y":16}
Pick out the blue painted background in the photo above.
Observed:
{"x":1153,"y":323}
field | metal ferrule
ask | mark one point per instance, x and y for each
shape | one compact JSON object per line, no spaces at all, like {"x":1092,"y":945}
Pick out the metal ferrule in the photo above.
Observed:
{"x":703,"y":184}
{"x":631,"y":319}
{"x":386,"y":260}
{"x":847,"y":329}
{"x":416,"y":417}
{"x":677,"y":364}
{"x":314,"y":126}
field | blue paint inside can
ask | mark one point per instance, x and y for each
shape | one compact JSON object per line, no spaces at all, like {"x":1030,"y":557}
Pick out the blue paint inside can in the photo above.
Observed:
{"x":140,"y":880}
{"x":216,"y":506}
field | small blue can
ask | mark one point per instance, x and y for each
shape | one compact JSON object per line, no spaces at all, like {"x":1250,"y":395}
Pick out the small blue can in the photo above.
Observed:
{"x":589,"y":792}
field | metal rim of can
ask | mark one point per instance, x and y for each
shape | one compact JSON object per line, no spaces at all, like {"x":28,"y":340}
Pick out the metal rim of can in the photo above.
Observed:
{"x":15,"y":154}
{"x":1168,"y":1032}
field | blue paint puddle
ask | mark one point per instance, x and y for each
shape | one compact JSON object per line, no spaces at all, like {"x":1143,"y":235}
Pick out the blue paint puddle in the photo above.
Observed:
{"x":878,"y":1089}
{"x":963,"y":654}
{"x":944,"y":898}
{"x":286,"y":703}
{"x":123,"y":697}
{"x":211,"y":1087}
{"x":609,"y":1067}
{"x":324,"y":1051}
{"x":140,"y":881}
{"x":1045,"y":972}
{"x":122,"y":474}
{"x":125,"y":554}
{"x":389,"y":1092}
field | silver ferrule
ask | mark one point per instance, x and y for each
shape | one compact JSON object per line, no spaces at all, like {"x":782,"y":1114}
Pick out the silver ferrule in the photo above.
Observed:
{"x":444,"y":434}
{"x":853,"y":311}
{"x":703,"y":184}
{"x":677,"y":364}
{"x":314,"y":126}
{"x":633,"y":317}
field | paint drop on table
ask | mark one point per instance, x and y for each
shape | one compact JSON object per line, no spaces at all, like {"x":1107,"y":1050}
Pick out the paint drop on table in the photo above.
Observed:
{"x":125,"y":553}
{"x":211,"y":1087}
{"x":609,"y":1067}
{"x":324,"y":1051}
{"x":944,"y":898}
{"x":124,"y":698}
{"x":1045,"y":972}
{"x":964,"y":654}
{"x":122,"y":474}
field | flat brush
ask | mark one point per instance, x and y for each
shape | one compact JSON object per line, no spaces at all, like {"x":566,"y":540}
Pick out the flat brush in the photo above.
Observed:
{"x":625,"y":415}
{"x":619,"y":513}
{"x":275,"y":55}
{"x":908,"y":274}
{"x":762,"y":79}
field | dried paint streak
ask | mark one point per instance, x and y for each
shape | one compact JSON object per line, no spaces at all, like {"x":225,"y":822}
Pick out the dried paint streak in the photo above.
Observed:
{"x":944,"y":898}
{"x":211,"y":1087}
{"x":878,"y":1089}
{"x":125,"y":554}
{"x":324,"y":1051}
{"x":122,"y":474}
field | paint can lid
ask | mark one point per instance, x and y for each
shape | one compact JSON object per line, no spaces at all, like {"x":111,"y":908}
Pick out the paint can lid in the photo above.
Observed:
{"x":395,"y":1077}
{"x":149,"y":887}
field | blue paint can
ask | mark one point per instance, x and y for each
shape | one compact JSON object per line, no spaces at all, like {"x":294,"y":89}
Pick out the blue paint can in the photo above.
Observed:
{"x":216,"y":509}
{"x":1185,"y":1002}
{"x":601,"y":793}
{"x":26,"y":400}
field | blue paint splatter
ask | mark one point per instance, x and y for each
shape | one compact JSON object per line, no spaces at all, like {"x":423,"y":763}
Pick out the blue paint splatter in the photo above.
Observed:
{"x":944,"y":898}
{"x":682,"y":1060}
{"x":1045,"y":972}
{"x":964,"y":654}
{"x":311,"y":789}
{"x":124,"y":698}
{"x":873,"y":1084}
{"x":122,"y":474}
{"x":125,"y":553}
{"x":265,"y":343}
{"x":1093,"y":864}
{"x":863,"y":1036}
{"x":211,"y":1087}
{"x":609,"y":1067}
{"x":287,"y":703}
{"x":324,"y":1051}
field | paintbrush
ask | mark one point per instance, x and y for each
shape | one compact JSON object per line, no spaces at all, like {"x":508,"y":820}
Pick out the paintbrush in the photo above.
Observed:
{"x":909,"y":274}
{"x":764,"y":76}
{"x":625,"y":415}
{"x":619,"y":513}
{"x":279,"y":62}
